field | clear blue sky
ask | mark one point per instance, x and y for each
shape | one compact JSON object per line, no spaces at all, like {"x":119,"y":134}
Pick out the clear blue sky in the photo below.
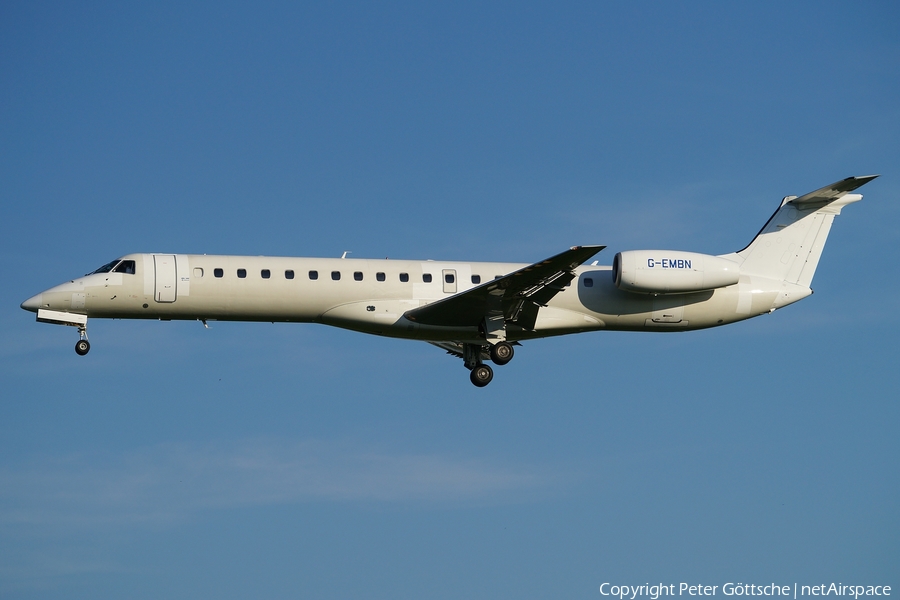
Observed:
{"x":288,"y":461}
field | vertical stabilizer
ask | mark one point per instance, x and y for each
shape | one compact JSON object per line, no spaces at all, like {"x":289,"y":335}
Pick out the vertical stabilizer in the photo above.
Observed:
{"x":789,"y":246}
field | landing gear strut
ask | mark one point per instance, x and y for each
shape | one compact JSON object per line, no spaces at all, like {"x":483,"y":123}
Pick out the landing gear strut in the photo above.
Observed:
{"x":82,"y":346}
{"x":474,"y":355}
{"x":480,"y":374}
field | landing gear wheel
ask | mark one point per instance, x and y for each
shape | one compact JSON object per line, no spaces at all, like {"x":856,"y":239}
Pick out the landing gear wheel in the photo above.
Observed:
{"x":502,"y":353}
{"x":481,"y":375}
{"x":82,"y":347}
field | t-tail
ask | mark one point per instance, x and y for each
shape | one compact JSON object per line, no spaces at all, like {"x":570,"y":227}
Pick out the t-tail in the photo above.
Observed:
{"x":788,"y":248}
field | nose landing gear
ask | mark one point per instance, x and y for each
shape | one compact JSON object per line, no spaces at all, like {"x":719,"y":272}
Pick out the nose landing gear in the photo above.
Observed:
{"x":82,"y":346}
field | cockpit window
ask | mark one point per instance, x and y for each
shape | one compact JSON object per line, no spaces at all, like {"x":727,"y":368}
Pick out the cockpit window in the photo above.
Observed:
{"x":126,"y":266}
{"x":108,"y":267}
{"x":116,"y":266}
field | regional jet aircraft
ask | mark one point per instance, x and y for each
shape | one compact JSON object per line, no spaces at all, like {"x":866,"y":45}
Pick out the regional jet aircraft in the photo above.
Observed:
{"x":475,"y":311}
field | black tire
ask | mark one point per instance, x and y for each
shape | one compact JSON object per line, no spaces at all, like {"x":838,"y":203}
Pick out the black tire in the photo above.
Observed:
{"x":502,"y":353}
{"x":82,"y":347}
{"x":481,"y":375}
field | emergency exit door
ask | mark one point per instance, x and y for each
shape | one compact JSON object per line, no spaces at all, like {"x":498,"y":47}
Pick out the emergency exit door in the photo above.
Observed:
{"x":449,"y":281}
{"x":165,"y":277}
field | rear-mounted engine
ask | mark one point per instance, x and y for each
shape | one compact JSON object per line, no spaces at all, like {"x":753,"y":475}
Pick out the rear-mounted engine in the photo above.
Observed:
{"x":671,"y":272}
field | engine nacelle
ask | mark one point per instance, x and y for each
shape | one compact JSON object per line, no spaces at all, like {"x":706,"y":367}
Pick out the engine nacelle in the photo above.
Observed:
{"x":671,"y":272}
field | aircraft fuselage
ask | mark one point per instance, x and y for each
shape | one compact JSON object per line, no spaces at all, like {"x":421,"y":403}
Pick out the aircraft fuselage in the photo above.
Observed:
{"x":372,"y":296}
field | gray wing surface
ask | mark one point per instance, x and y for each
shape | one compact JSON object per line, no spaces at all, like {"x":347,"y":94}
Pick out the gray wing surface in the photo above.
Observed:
{"x":517,"y":296}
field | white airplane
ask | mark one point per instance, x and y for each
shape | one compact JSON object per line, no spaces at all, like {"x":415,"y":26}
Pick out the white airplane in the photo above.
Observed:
{"x":475,"y":311}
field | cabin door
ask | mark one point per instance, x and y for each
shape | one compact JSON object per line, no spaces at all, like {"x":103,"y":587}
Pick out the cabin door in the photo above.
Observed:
{"x":165,"y":277}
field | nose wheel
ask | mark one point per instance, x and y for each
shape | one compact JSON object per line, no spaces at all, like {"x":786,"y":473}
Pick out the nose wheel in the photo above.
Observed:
{"x":82,"y":346}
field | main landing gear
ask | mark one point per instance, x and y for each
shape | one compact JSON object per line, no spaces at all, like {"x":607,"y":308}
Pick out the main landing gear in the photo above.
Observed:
{"x":502,"y":353}
{"x":82,"y":346}
{"x":480,"y":373}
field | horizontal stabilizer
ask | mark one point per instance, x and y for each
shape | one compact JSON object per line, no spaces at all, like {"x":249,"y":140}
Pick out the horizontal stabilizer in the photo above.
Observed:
{"x":832,"y":192}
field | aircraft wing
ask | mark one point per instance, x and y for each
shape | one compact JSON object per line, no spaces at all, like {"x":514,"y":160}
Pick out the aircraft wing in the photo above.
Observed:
{"x":832,"y":192}
{"x":517,"y":296}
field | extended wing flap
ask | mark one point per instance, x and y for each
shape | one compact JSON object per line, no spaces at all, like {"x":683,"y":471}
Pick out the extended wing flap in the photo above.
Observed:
{"x":456,"y":349}
{"x":519,"y":294}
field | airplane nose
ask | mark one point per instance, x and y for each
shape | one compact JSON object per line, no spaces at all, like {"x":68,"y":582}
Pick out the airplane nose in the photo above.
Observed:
{"x":32,"y":304}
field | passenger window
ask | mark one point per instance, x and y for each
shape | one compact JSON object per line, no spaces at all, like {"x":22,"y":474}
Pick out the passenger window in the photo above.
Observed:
{"x":265,"y":273}
{"x":198,"y":272}
{"x":448,"y":278}
{"x":588,"y":282}
{"x":289,"y":274}
{"x":379,"y":276}
{"x":426,"y":277}
{"x":357,"y":275}
{"x":242,"y":273}
{"x":336,"y":275}
{"x":218,"y":272}
{"x":404,"y":277}
{"x":476,"y":279}
{"x":126,"y":266}
{"x":313,"y":275}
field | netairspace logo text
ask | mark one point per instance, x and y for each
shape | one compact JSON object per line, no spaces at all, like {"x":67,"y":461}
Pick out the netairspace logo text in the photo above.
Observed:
{"x":657,"y":591}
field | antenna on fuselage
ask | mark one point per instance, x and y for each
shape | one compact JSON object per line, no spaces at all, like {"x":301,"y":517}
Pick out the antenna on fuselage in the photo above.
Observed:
{"x":346,"y":252}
